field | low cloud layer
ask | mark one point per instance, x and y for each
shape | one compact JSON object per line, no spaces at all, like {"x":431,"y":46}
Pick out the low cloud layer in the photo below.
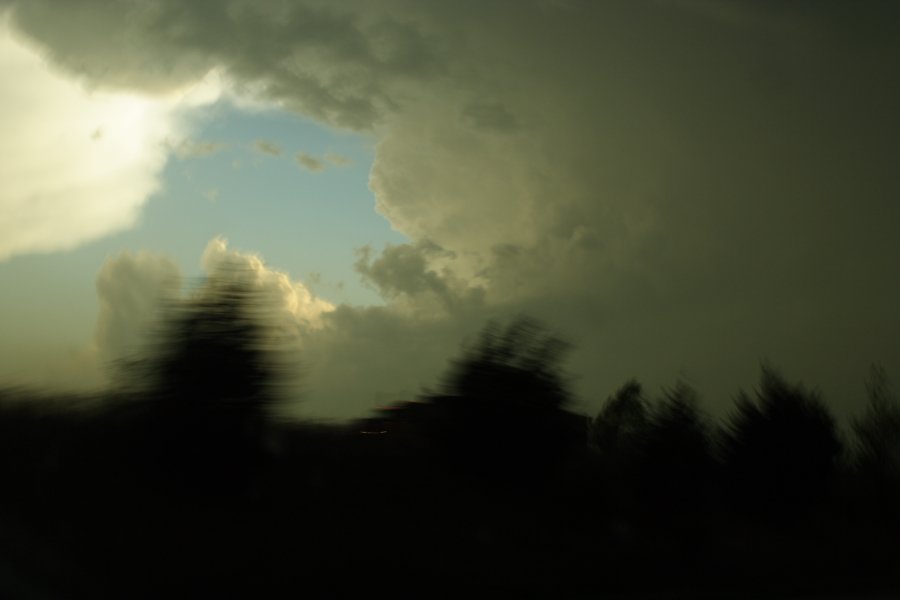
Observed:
{"x":683,"y":188}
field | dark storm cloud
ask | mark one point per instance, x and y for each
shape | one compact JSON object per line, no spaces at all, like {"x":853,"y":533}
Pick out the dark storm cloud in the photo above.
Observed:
{"x":410,"y":275}
{"x":489,"y":116}
{"x":684,"y":187}
{"x":333,"y":62}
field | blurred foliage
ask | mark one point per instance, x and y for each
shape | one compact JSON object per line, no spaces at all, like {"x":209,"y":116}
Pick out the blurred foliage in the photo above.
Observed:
{"x":781,"y":449}
{"x":519,"y":365}
{"x":877,"y":456}
{"x":878,"y":429}
{"x":203,"y":390}
{"x":620,"y":429}
{"x":501,"y":409}
{"x":184,"y":480}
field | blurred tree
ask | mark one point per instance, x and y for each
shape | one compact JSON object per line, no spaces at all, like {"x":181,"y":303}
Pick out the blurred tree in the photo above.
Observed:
{"x":654,"y":459}
{"x":877,"y":452}
{"x":519,"y":366}
{"x":677,"y":465}
{"x":209,"y":382}
{"x":501,"y":410}
{"x":620,"y":428}
{"x":780,"y":451}
{"x":678,"y":432}
{"x":616,"y":440}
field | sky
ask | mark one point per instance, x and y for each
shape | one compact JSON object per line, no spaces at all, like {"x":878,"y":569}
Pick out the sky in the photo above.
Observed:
{"x":683,"y":189}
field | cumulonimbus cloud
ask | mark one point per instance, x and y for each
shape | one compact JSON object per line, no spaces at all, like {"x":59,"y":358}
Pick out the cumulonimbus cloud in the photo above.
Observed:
{"x":683,"y":187}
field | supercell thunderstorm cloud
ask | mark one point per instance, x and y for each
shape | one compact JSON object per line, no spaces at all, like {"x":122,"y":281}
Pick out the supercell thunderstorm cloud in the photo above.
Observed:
{"x":681,"y":188}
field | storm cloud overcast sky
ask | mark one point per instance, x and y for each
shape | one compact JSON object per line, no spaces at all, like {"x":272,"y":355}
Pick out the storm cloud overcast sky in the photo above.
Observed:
{"x":682,"y":188}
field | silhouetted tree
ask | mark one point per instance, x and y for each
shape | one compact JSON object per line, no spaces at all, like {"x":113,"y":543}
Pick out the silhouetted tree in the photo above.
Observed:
{"x":616,"y":440}
{"x":677,"y":464}
{"x":780,"y":450}
{"x":518,"y":366}
{"x":502,"y":406}
{"x":620,"y":428}
{"x":877,"y":452}
{"x":654,"y":459}
{"x":208,"y":383}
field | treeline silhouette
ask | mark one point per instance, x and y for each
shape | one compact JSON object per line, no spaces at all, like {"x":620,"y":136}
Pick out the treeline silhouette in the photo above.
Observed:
{"x":182,"y":481}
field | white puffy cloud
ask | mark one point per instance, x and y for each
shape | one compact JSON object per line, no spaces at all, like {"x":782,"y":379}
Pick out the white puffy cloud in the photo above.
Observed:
{"x":288,"y":302}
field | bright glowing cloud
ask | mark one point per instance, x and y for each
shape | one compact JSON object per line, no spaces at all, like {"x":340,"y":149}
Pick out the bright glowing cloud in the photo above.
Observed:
{"x":78,"y":164}
{"x":291,"y":303}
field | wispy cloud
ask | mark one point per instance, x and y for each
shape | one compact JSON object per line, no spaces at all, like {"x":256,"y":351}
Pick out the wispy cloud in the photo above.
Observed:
{"x":267,"y":147}
{"x":197,"y":149}
{"x":310,"y":162}
{"x":338,"y":160}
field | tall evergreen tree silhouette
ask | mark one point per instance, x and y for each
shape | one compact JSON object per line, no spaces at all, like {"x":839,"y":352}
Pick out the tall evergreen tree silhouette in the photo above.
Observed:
{"x":780,"y":449}
{"x":877,"y":456}
{"x":619,"y":430}
{"x":677,"y":463}
{"x":655,"y":458}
